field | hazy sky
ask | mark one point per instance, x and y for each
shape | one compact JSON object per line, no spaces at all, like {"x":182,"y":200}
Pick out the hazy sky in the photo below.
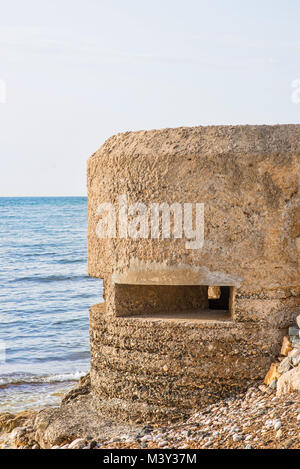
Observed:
{"x":79,"y":71}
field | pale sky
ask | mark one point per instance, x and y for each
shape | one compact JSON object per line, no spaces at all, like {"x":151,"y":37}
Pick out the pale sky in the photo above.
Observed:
{"x":78,"y":71}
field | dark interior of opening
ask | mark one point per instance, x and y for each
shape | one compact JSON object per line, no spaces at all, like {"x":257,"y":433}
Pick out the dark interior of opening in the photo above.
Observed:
{"x":222,"y":302}
{"x":173,"y":301}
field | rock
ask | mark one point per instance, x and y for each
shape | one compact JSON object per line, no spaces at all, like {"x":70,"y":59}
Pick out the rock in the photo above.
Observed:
{"x":79,"y":443}
{"x":273,"y":384}
{"x":161,"y":444}
{"x":10,"y":421}
{"x":295,"y":341}
{"x":207,"y":444}
{"x":236,"y":437}
{"x":294,"y":352}
{"x":298,"y":321}
{"x":272,"y":374}
{"x":278,"y":434}
{"x":288,"y":443}
{"x":286,"y":346}
{"x":294,"y":331}
{"x":289,"y":382}
{"x":83,"y":387}
{"x":93,"y":444}
{"x":285,"y":365}
{"x":248,"y":447}
{"x":277,"y":424}
{"x":235,"y":429}
{"x":296,"y":360}
{"x":18,"y":431}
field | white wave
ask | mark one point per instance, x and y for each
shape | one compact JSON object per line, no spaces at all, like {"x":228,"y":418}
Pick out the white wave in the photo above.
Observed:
{"x":63,"y":377}
{"x":29,"y":379}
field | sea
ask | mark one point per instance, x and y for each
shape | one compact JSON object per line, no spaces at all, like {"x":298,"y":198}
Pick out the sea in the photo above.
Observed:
{"x":45,"y":295}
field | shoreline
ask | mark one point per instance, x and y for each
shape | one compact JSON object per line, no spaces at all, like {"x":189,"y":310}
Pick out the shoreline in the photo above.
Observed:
{"x":254,"y":419}
{"x":263,"y":416}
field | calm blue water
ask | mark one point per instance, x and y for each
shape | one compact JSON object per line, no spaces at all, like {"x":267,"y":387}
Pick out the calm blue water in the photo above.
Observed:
{"x":45,"y":295}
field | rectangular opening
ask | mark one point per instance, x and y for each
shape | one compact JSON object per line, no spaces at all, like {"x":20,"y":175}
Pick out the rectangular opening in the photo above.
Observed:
{"x":174,"y":301}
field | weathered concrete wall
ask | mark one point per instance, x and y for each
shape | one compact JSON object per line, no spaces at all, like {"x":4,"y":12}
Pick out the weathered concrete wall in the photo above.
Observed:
{"x":150,"y":370}
{"x":248,"y":179}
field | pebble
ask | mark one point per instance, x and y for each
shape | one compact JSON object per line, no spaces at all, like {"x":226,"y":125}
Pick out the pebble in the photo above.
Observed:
{"x":235,"y":429}
{"x":161,"y":444}
{"x":146,"y":438}
{"x":79,"y":443}
{"x":277,"y":424}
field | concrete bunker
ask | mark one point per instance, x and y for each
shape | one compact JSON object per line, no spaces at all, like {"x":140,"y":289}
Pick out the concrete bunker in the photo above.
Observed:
{"x":166,"y":340}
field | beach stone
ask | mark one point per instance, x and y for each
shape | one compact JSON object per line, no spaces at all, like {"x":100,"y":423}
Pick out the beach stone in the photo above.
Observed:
{"x":289,"y":381}
{"x":294,"y":331}
{"x":273,"y":384}
{"x":294,"y":352}
{"x":285,"y":365}
{"x":286,"y":346}
{"x":295,"y":341}
{"x":277,"y":424}
{"x":93,"y":444}
{"x":288,"y":443}
{"x":79,"y":443}
{"x":10,"y":421}
{"x":161,"y":444}
{"x":235,"y":429}
{"x":272,"y":374}
{"x":296,"y":360}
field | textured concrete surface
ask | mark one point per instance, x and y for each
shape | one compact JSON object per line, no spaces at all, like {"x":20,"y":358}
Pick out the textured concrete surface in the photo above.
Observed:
{"x":159,"y":367}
